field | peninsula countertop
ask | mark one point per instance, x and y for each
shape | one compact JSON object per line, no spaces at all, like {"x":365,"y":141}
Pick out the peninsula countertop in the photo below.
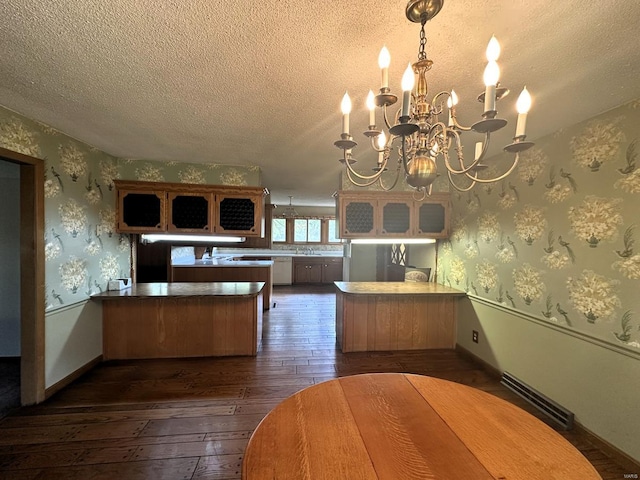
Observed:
{"x":184,"y":289}
{"x":397,"y":288}
{"x":214,"y":262}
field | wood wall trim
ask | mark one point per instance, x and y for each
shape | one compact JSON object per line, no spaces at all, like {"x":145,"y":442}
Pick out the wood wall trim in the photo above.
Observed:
{"x":187,"y":187}
{"x":32,"y":378}
{"x":72,"y":377}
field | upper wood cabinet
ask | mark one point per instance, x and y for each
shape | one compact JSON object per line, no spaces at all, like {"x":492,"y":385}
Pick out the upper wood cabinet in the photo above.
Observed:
{"x":392,"y":215}
{"x":145,"y":207}
{"x":238,"y":213}
{"x":141,"y":211}
{"x":190,"y":212}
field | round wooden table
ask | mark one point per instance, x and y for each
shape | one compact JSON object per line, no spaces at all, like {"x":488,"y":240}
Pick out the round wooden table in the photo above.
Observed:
{"x":398,"y":426}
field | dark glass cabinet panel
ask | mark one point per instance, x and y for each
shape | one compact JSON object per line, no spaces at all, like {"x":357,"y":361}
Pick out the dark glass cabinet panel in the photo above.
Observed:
{"x":190,"y":212}
{"x":359,"y":217}
{"x":431,"y":218}
{"x":396,"y":218}
{"x":142,"y":210}
{"x":237,"y":214}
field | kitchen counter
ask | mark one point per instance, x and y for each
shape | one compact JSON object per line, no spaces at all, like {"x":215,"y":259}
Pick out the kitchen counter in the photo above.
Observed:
{"x":214,"y":262}
{"x":166,"y":290}
{"x":187,"y":269}
{"x":397,"y":288}
{"x":383,"y":316}
{"x":246,"y":253}
{"x":174,"y":320}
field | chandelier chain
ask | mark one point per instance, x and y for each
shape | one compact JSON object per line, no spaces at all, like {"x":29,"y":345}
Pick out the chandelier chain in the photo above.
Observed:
{"x":422,"y":55}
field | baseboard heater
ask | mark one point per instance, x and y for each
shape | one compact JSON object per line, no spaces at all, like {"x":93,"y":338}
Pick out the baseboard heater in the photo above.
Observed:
{"x":559,"y":414}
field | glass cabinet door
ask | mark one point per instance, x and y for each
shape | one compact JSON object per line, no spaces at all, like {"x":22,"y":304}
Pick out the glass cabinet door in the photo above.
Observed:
{"x":190,"y":212}
{"x":141,"y":211}
{"x":238,"y":214}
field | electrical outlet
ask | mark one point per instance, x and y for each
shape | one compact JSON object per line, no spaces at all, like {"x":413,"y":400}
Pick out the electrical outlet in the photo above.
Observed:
{"x":474,"y":336}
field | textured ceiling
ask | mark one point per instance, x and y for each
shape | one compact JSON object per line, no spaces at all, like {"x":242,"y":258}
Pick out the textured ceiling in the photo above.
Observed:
{"x":260,"y":83}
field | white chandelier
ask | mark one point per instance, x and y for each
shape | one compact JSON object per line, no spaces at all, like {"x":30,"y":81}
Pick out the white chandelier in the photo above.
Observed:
{"x":422,"y":136}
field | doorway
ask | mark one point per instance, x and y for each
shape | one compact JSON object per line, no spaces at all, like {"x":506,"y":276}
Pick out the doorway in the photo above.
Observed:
{"x":31,"y":284}
{"x":9,"y":287}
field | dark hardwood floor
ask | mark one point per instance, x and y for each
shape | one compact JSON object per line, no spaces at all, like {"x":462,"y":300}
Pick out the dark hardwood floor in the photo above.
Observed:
{"x":192,"y":418}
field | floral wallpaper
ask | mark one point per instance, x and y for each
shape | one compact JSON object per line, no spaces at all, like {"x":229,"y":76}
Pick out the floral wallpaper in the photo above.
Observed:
{"x":82,"y":250}
{"x":558,"y":238}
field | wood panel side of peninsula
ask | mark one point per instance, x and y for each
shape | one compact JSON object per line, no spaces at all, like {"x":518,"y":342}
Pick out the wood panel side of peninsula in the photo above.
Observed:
{"x":182,"y":320}
{"x":384,"y":316}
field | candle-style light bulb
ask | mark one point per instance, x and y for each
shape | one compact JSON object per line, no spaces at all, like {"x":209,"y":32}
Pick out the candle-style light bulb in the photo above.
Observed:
{"x":493,"y":49}
{"x":524,"y":101}
{"x":346,"y":110}
{"x":408,"y":81}
{"x":382,"y":142}
{"x":371,"y":105}
{"x":478,"y":151}
{"x":522,"y":105}
{"x":384,"y":60}
{"x":454,"y":98}
{"x":452,"y":101}
{"x":491,"y":77}
{"x":491,"y":74}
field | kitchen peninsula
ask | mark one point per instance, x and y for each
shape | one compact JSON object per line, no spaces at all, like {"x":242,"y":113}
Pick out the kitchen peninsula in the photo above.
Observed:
{"x":189,"y":269}
{"x":374,"y":316}
{"x":170,"y":320}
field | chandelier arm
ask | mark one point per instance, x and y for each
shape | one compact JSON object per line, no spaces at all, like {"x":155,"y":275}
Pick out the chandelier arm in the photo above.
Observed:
{"x":403,"y":157}
{"x":395,"y":181}
{"x":385,"y":116}
{"x":460,"y":127}
{"x":460,"y":189}
{"x":411,"y":141}
{"x":504,"y":175}
{"x":448,"y":133}
{"x":433,"y":131}
{"x":460,"y":156}
{"x":425,"y":192}
{"x":436,"y":97}
{"x":369,"y":180}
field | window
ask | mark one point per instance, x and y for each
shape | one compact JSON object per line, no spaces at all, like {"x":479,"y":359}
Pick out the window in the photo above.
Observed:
{"x":304,"y":230}
{"x":332,"y":226}
{"x":307,"y":230}
{"x":279,"y":230}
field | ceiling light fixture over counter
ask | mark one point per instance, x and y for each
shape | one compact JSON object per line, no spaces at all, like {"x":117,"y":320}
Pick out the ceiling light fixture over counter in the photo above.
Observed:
{"x":167,"y":237}
{"x":422,"y":136}
{"x":393,"y":241}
